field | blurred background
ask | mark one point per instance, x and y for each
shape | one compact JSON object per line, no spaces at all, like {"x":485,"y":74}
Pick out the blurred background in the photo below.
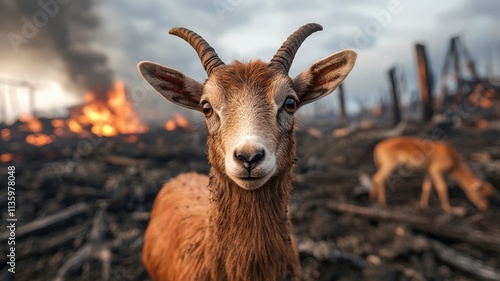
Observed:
{"x":92,"y":142}
{"x":65,"y":49}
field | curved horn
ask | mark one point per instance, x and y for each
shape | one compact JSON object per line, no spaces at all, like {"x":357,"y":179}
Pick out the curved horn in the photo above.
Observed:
{"x":284,"y":56}
{"x":207,"y":54}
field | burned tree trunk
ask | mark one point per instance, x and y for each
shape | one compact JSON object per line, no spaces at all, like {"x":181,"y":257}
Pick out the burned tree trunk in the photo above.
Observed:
{"x":425,"y":81}
{"x":343,"y":114}
{"x":464,"y":262}
{"x":423,"y":224}
{"x":395,"y":96}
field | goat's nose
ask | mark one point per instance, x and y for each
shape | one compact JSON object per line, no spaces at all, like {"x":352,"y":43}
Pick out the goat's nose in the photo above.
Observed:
{"x":250,"y":157}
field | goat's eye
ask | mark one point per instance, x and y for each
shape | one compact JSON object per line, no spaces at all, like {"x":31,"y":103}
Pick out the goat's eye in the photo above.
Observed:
{"x":290,"y":105}
{"x":207,"y":109}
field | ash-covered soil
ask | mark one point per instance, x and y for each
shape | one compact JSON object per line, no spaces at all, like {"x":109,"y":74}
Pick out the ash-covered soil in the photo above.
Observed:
{"x":113,"y":184}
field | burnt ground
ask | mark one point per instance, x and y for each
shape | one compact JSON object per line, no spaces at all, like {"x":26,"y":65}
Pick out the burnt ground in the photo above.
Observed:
{"x":84,"y":203}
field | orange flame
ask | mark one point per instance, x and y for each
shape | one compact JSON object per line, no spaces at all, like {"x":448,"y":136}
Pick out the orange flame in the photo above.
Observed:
{"x":109,"y":117}
{"x":38,"y":139}
{"x":6,"y":157}
{"x":31,"y":124}
{"x":57,"y":123}
{"x":181,"y":121}
{"x":177,"y":121}
{"x":58,"y":131}
{"x":170,"y":125}
{"x":74,"y":126}
{"x":6,"y":135}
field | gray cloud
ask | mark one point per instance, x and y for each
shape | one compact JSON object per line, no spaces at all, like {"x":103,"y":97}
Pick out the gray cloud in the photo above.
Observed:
{"x":238,"y":32}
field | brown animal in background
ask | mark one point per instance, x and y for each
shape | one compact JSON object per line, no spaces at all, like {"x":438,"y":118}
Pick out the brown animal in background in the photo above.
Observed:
{"x":436,"y":158}
{"x":235,"y":224}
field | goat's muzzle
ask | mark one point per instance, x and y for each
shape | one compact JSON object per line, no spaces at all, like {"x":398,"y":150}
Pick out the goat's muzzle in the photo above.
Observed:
{"x":250,"y":165}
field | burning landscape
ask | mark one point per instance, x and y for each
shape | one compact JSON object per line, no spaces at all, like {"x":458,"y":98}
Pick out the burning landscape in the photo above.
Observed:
{"x":97,"y":117}
{"x":86,"y":184}
{"x":85,"y":181}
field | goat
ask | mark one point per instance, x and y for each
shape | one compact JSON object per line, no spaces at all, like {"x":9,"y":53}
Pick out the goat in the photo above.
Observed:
{"x":436,"y":158}
{"x":239,"y":227}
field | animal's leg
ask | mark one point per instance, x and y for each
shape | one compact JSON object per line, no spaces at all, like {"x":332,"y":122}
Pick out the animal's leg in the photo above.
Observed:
{"x":426,"y":191}
{"x":441,"y":188}
{"x":378,"y":191}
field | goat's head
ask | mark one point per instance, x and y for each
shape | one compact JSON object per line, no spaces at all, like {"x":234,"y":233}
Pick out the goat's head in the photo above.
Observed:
{"x":249,"y":107}
{"x":480,"y":194}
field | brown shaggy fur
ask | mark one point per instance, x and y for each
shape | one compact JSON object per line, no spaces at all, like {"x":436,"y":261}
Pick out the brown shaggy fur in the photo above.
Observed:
{"x":248,"y":234}
{"x":436,"y":158}
{"x":229,"y":227}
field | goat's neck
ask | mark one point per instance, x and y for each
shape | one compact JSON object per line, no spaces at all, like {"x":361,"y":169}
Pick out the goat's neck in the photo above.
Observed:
{"x":249,"y":231}
{"x":464,"y":176}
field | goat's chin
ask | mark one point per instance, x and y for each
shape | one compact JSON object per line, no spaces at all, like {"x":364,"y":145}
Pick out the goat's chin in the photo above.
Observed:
{"x":251,"y":183}
{"x":254,"y":179}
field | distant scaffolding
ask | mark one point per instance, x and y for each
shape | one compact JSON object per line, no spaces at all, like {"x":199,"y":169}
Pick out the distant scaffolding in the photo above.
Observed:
{"x":11,"y":86}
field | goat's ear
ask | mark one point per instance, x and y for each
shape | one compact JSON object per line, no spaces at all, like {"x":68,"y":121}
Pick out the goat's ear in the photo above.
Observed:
{"x":321,"y":78}
{"x":172,"y":84}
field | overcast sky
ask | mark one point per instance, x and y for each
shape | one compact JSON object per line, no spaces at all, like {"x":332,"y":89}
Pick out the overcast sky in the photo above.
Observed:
{"x":117,"y":34}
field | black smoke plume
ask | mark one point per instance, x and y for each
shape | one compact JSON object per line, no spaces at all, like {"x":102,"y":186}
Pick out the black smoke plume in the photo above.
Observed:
{"x":64,"y":28}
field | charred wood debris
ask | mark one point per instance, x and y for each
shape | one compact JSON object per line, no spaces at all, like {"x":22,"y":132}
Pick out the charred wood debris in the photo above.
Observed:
{"x":83,"y":205}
